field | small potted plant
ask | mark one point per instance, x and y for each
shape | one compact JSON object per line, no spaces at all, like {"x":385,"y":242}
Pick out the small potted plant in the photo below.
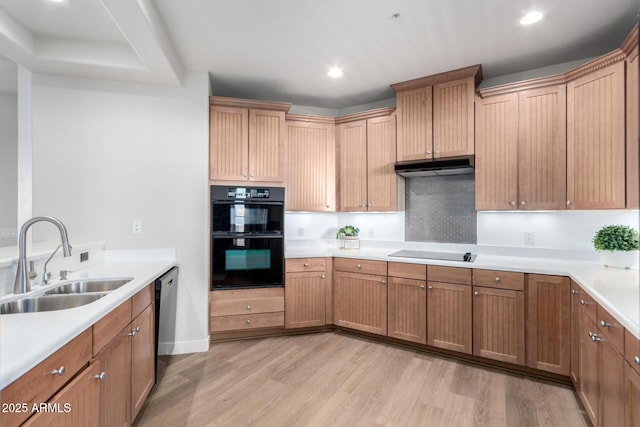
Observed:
{"x":618,"y":244}
{"x":348,"y":236}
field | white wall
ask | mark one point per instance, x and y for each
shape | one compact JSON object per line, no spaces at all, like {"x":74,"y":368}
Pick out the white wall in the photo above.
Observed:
{"x":107,"y":153}
{"x":8,"y":169}
{"x":373,"y":226}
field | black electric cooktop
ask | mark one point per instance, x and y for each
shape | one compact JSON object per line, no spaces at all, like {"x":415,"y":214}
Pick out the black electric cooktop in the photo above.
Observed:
{"x":443,"y":256}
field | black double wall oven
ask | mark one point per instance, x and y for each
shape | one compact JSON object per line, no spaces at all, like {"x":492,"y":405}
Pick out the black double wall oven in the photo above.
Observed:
{"x":247,"y":237}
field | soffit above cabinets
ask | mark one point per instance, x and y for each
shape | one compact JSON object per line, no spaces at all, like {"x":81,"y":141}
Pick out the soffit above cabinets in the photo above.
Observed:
{"x":281,"y":50}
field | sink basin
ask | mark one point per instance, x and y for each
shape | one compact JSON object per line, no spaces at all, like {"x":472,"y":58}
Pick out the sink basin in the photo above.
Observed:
{"x":82,"y":286}
{"x":48,"y":303}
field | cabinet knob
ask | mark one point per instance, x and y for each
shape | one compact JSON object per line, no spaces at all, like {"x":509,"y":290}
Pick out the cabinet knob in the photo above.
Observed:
{"x":430,"y":287}
{"x":522,"y":203}
{"x":574,"y":292}
{"x":134,"y":331}
{"x":436,"y":152}
{"x":594,"y":337}
{"x":306,"y":264}
{"x":497,"y":280}
{"x":422,"y":286}
{"x":637,"y":360}
{"x":59,"y":371}
{"x":322,"y":277}
{"x":100,"y":376}
{"x":428,"y":151}
{"x":252,"y":176}
{"x":369,"y":205}
{"x":244,"y":174}
{"x":476,"y":293}
{"x":569,"y":202}
{"x":384,"y":282}
{"x":604,"y":324}
{"x":583,"y":302}
{"x":248,"y":322}
{"x":248,"y":307}
{"x":359,"y":266}
{"x":328,"y":206}
{"x":512,"y":203}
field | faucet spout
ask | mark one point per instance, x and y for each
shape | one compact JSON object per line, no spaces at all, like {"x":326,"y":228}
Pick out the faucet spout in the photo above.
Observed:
{"x":23,"y":283}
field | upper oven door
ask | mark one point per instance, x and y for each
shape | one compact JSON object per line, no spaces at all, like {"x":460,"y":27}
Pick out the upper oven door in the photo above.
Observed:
{"x":232,"y":218}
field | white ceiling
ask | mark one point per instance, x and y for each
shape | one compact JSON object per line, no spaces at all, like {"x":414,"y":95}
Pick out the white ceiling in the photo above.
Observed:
{"x":281,"y":49}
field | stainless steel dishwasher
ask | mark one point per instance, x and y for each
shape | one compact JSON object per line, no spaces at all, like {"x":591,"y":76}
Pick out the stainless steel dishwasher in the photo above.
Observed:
{"x":165,"y":301}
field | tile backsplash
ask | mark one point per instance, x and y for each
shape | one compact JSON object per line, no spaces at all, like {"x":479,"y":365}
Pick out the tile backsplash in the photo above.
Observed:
{"x":441,"y":209}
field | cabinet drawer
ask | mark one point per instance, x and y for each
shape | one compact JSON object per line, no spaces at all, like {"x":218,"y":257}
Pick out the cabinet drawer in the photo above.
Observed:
{"x":611,"y":328}
{"x":378,"y":268}
{"x":107,"y":328}
{"x":141,"y":300}
{"x":40,"y":383}
{"x":407,"y":271}
{"x":437,"y":273}
{"x":248,"y":321}
{"x":632,"y":350}
{"x":300,"y":265}
{"x":498,"y":279}
{"x":246,"y":301}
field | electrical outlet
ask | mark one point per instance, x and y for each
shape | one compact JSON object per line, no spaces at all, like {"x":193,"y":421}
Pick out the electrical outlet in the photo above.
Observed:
{"x":529,"y":237}
{"x":84,"y":256}
{"x":137,"y":227}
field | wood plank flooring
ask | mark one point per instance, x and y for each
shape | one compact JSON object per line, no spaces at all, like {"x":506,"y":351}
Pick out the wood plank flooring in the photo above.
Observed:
{"x":333,"y":379}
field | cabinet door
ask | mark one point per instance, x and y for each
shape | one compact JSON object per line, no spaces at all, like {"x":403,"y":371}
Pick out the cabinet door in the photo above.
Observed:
{"x":589,"y":363}
{"x":414,"y":109}
{"x":229,"y":144}
{"x":382,"y":180}
{"x":453,"y":118}
{"x":76,"y":405}
{"x":633,"y":137}
{"x":142,"y":359}
{"x":407,"y":309}
{"x":310,"y":167}
{"x":352,"y":166}
{"x":548,"y":323}
{"x":360,"y":302}
{"x":596,"y":140}
{"x":542,"y":150}
{"x":576,"y":333}
{"x":305,"y":299}
{"x":498,"y":324}
{"x":266,"y":145}
{"x":612,"y":384}
{"x":632,"y":399}
{"x":449,"y":321}
{"x":115,"y":388}
{"x":497,"y":153}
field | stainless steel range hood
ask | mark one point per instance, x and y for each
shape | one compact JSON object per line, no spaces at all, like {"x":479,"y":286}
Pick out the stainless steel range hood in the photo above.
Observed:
{"x":436,"y":167}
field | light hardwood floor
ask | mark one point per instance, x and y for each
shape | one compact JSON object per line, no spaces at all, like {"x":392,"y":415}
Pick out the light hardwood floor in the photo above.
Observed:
{"x":333,"y":379}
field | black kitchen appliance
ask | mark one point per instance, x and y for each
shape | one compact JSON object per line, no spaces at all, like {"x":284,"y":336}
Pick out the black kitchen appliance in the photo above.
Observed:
{"x":247,"y":237}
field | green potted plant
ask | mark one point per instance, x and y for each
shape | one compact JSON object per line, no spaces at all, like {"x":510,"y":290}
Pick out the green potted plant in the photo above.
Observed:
{"x":618,"y":244}
{"x":348,"y":236}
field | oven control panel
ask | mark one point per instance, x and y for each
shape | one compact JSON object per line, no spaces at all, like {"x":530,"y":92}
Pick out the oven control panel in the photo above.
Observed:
{"x":247,"y":193}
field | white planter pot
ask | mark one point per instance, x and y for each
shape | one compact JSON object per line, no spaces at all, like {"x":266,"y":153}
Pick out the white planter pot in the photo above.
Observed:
{"x":620,"y":259}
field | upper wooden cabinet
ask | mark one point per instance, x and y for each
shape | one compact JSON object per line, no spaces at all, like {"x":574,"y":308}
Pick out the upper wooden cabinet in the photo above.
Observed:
{"x":366,"y":155}
{"x":596,"y":134}
{"x":521,"y":149}
{"x":630,"y":47}
{"x":435,"y":115}
{"x":246,"y":141}
{"x":311,"y":162}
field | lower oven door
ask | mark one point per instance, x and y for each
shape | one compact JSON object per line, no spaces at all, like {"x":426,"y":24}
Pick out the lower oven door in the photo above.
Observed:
{"x":247,"y":262}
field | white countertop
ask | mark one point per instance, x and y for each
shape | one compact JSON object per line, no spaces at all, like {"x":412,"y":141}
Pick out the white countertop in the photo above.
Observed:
{"x":29,"y":338}
{"x":617,"y":290}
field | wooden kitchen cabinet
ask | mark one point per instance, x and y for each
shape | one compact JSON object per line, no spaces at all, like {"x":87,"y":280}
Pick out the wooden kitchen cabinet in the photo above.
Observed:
{"x":115,"y":396}
{"x":499,"y":316}
{"x":142,"y":359}
{"x":311,"y":159}
{"x":576,"y":333}
{"x":632,"y":397}
{"x":76,"y":405}
{"x":549,"y":323}
{"x":630,"y":46}
{"x":360,"y":298}
{"x":521,"y":149}
{"x":436,"y":115}
{"x":407,"y":302}
{"x":596,"y":135}
{"x":589,"y":363}
{"x":247,"y":141}
{"x":366,"y":156}
{"x":307,"y":287}
{"x":449,"y":308}
{"x":246,"y":309}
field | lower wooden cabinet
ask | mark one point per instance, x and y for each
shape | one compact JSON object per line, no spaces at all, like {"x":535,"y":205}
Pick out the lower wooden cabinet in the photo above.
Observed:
{"x":307,"y":284}
{"x":576,"y":333}
{"x":632,"y":398}
{"x":115,"y":398}
{"x":77,"y":404}
{"x":611,"y":380}
{"x":549,"y":323}
{"x":142,"y":359}
{"x":407,"y":309}
{"x":360,"y":301}
{"x":246,"y":309}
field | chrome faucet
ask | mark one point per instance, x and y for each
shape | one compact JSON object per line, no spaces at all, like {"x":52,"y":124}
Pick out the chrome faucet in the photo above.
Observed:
{"x":23,"y":282}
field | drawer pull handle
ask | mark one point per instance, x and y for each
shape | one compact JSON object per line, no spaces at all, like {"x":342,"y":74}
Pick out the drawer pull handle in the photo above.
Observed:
{"x":594,"y":337}
{"x":604,"y":324}
{"x":100,"y":376}
{"x":583,"y":302}
{"x":134,"y":332}
{"x":248,"y":322}
{"x":59,"y":371}
{"x":574,"y":292}
{"x":497,"y":280}
{"x":637,"y":360}
{"x":305,"y":264}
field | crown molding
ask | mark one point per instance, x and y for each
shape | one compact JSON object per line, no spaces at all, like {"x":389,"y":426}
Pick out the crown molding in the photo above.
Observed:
{"x":555,"y":80}
{"x":310,"y":119}
{"x":474,"y":71}
{"x":631,"y":42}
{"x":222,"y":101}
{"x":378,"y":112}
{"x":598,"y":63}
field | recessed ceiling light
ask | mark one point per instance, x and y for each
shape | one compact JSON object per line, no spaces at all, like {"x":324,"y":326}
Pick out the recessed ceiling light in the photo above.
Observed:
{"x":57,"y":1}
{"x":335,"y":72}
{"x":531,"y":18}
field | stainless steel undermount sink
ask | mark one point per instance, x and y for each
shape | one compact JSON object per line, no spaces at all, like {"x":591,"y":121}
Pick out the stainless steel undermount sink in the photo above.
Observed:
{"x":82,"y":286}
{"x":49,"y":303}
